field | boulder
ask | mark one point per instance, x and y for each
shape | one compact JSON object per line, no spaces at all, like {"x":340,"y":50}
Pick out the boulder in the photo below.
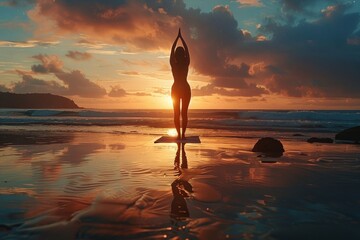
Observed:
{"x":350,"y":134}
{"x":320,"y":140}
{"x":269,"y":146}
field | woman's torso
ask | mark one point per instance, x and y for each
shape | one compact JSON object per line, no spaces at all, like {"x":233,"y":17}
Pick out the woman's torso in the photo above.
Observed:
{"x":180,"y":73}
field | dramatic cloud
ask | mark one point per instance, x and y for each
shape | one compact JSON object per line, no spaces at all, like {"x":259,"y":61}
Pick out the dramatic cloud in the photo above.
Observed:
{"x":217,"y":35}
{"x":30,"y":84}
{"x":317,"y":58}
{"x":75,"y":82}
{"x":137,"y":23}
{"x":152,"y":25}
{"x":80,"y":56}
{"x":314,"y":59}
{"x":79,"y":85}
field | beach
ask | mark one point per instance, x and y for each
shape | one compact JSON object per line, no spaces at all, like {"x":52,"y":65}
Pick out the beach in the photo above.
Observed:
{"x":110,"y":181}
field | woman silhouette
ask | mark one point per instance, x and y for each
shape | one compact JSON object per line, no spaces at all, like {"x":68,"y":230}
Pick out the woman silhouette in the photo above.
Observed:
{"x":180,"y":90}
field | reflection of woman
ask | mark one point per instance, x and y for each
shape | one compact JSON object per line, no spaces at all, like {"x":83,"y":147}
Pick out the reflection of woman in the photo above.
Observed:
{"x":180,"y":188}
{"x":180,"y":90}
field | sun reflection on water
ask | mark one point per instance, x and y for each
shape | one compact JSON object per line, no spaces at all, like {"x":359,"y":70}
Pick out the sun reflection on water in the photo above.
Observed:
{"x":172,"y":132}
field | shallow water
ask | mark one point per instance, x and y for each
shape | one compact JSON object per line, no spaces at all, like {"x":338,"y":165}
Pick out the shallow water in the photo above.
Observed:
{"x":81,"y":185}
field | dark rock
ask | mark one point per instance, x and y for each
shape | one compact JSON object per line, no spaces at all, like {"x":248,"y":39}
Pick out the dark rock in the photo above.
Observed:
{"x":269,"y":146}
{"x":268,"y":161}
{"x":35,"y":100}
{"x":350,"y":134}
{"x":320,"y":140}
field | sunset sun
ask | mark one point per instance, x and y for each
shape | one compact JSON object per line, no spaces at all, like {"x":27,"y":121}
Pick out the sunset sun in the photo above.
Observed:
{"x":168,"y":102}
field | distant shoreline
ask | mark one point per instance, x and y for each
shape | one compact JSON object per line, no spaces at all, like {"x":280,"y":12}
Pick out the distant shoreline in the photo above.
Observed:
{"x":35,"y":100}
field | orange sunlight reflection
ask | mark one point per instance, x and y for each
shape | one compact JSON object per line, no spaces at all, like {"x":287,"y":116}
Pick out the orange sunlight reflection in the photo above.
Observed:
{"x":172,"y":132}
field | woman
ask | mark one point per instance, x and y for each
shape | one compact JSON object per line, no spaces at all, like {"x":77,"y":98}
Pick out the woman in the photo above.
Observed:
{"x":180,"y":90}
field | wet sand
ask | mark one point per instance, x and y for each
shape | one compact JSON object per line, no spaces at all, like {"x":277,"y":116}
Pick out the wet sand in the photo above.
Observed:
{"x":123,"y":186}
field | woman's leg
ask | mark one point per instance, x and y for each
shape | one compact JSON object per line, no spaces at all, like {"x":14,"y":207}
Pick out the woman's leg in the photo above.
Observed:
{"x":184,"y":110}
{"x":176,"y":106}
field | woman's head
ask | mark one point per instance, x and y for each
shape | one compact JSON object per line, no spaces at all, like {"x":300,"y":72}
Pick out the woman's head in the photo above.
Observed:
{"x":180,"y":54}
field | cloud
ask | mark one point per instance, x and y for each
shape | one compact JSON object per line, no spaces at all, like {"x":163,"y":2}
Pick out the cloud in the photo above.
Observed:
{"x":117,"y":91}
{"x":80,"y":56}
{"x":103,"y":52}
{"x":29,"y":84}
{"x":79,"y":85}
{"x":297,"y":5}
{"x":153,"y":25}
{"x":315,"y":57}
{"x":250,"y":100}
{"x":127,"y":22}
{"x":140,"y":94}
{"x":162,"y":91}
{"x":211,"y":89}
{"x":142,"y":63}
{"x":249,"y":3}
{"x":129,"y":72}
{"x":3,"y":88}
{"x":27,"y":44}
{"x":74,"y":82}
{"x":39,"y":68}
{"x":49,"y":64}
{"x":91,"y":44}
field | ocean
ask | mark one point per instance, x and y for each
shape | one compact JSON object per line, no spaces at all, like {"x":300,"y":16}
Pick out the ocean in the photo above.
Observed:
{"x":208,"y":122}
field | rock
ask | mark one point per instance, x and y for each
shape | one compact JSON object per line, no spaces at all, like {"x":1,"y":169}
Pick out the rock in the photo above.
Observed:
{"x":269,"y":146}
{"x":320,"y":140}
{"x":350,"y":134}
{"x":268,"y":161}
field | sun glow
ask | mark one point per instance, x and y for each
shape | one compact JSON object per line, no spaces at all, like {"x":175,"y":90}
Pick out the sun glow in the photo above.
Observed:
{"x":172,"y":132}
{"x":169,"y":102}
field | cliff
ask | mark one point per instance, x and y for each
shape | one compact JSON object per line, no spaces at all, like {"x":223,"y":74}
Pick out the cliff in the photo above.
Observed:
{"x":35,"y":100}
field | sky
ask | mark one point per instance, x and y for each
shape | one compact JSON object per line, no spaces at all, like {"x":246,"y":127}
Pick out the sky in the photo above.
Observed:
{"x":245,"y":54}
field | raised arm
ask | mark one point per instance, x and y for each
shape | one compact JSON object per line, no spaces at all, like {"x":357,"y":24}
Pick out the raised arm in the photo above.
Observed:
{"x":172,"y":54}
{"x":187,"y":54}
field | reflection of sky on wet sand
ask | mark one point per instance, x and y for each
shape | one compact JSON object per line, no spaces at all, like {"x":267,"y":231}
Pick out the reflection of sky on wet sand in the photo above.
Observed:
{"x":122,"y":185}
